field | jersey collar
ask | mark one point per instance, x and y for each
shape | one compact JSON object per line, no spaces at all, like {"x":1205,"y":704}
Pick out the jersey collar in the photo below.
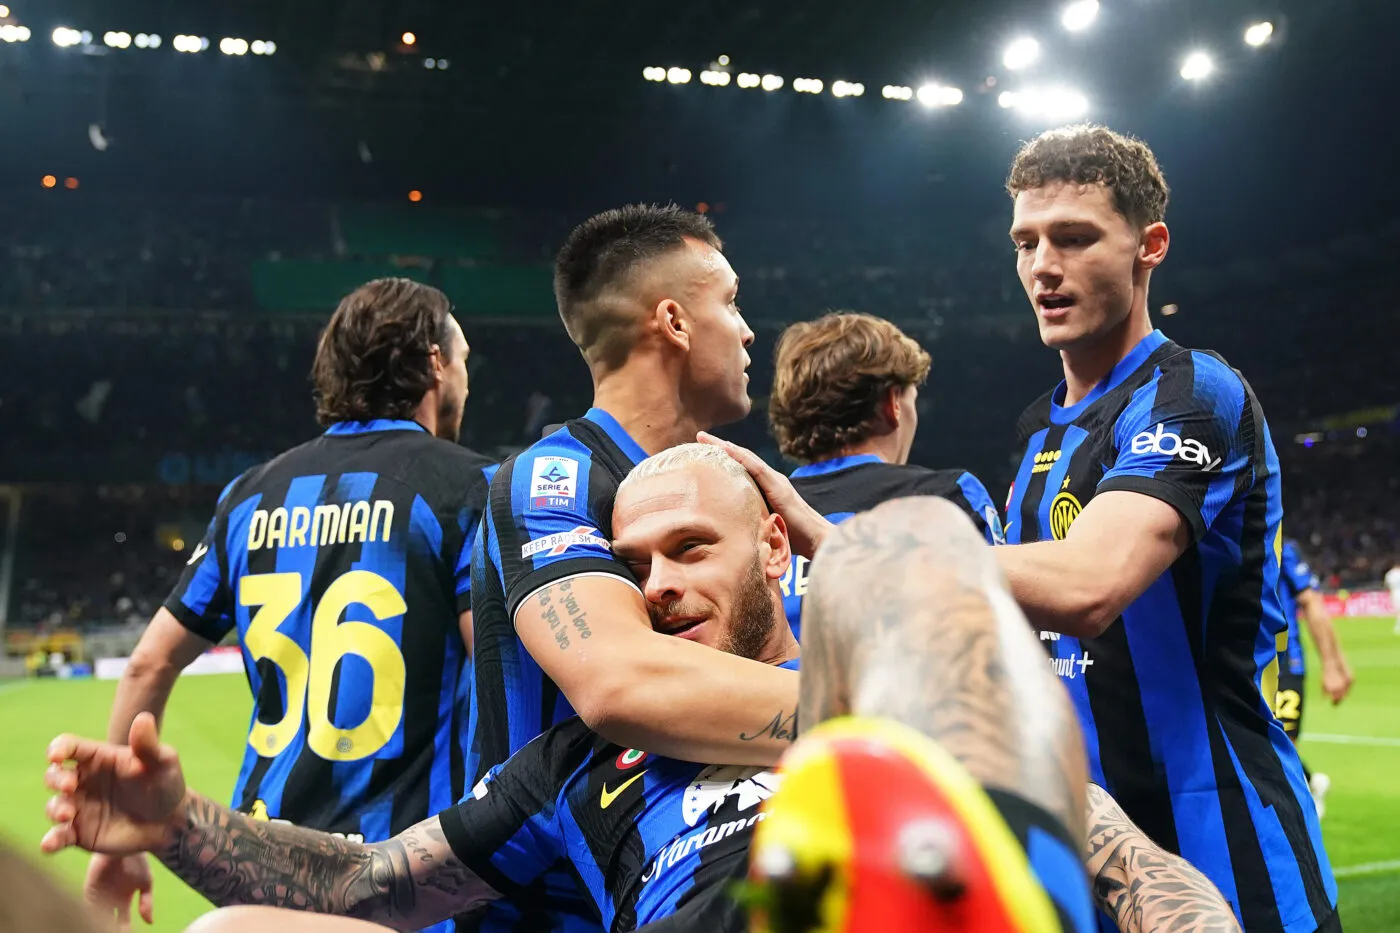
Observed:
{"x":619,"y":435}
{"x":1125,"y":367}
{"x":345,"y":428}
{"x":835,"y":464}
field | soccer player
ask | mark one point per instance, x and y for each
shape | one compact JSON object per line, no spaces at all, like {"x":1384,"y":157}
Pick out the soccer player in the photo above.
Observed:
{"x":1392,"y":583}
{"x":649,"y":839}
{"x":645,"y":836}
{"x":1147,"y":506}
{"x":845,"y":405}
{"x":1299,"y":593}
{"x":344,"y":565}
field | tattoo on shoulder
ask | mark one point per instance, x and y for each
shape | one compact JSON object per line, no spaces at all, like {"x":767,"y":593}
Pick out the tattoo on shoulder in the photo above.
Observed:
{"x":782,"y":727}
{"x":550,"y":612}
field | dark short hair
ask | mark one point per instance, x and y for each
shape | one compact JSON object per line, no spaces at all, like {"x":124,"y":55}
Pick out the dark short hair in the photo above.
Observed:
{"x":374,"y":359}
{"x":601,"y":254}
{"x":1086,"y":154}
{"x":830,"y":377}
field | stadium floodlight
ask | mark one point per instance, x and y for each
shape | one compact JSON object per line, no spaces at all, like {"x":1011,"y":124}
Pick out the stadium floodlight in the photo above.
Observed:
{"x":1053,"y":104}
{"x":232,"y":46}
{"x":807,"y":85}
{"x":66,"y":37}
{"x":1021,"y":53}
{"x":723,"y":61}
{"x":772,"y":82}
{"x":12,"y":33}
{"x":715,"y":78}
{"x":937,"y":95}
{"x":747,"y":80}
{"x":153,"y":41}
{"x":443,"y":64}
{"x":408,"y":38}
{"x":4,"y":11}
{"x":142,"y":40}
{"x":1197,"y":66}
{"x":1079,"y":15}
{"x":114,"y":40}
{"x":1259,"y":34}
{"x":430,"y":63}
{"x":654,"y":73}
{"x":678,"y":75}
{"x":897,"y":92}
{"x":847,"y":89}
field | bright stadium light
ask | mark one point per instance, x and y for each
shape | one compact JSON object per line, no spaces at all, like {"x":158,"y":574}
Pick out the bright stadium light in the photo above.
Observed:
{"x":807,"y":85}
{"x":1259,"y":34}
{"x":654,"y":73}
{"x":12,"y":33}
{"x":4,"y":11}
{"x":143,"y":41}
{"x":747,"y":80}
{"x":937,"y":95}
{"x":231,"y":46}
{"x":1197,"y":66}
{"x":847,"y":89}
{"x":430,"y":63}
{"x":117,"y":40}
{"x":66,"y":37}
{"x":1021,"y":53}
{"x":678,"y":75}
{"x":897,"y":92}
{"x":408,"y":38}
{"x":723,"y":61}
{"x":715,"y":78}
{"x":1054,"y":104}
{"x":1079,"y":15}
{"x":772,"y":82}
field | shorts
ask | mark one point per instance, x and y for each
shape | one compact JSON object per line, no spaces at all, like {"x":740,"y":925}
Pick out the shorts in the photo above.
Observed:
{"x":1288,"y":706}
{"x":865,"y":808}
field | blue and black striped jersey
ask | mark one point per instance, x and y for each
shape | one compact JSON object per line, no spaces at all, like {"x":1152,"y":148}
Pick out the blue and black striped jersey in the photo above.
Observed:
{"x":1176,"y":696}
{"x":643,"y":836}
{"x":1295,"y":576}
{"x":344,"y":564}
{"x":842,"y":486}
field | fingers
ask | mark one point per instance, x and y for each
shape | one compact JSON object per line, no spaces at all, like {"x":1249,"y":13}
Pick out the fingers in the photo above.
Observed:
{"x":146,"y":904}
{"x":61,"y":779}
{"x":124,"y":915}
{"x":58,"y":838}
{"x":750,"y":460}
{"x":68,"y":747}
{"x":144,"y":738}
{"x":61,"y":808}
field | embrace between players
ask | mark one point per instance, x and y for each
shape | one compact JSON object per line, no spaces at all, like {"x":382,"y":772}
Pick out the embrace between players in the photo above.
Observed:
{"x":611,"y":560}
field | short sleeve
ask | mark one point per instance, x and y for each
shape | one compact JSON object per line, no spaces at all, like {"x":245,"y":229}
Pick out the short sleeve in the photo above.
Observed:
{"x":974,"y":499}
{"x":469,"y":518}
{"x":506,"y":830}
{"x":1296,"y":571}
{"x":202,"y":600}
{"x":1187,"y":437}
{"x":546,"y":509}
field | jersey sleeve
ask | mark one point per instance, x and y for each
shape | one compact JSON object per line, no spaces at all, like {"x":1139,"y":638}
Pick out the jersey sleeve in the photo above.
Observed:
{"x":1188,"y":438}
{"x":1297,"y":575}
{"x":202,"y":600}
{"x":974,"y":499}
{"x":547,"y":516}
{"x":506,"y":831}
{"x":469,"y":517}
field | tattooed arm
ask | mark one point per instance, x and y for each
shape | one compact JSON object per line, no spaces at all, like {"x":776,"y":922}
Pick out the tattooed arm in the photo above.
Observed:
{"x":408,"y":882}
{"x":908,"y":617}
{"x":1142,"y":886}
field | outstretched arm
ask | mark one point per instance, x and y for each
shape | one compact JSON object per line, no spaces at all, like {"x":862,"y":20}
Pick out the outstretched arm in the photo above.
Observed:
{"x":407,"y":882}
{"x":1141,"y":885}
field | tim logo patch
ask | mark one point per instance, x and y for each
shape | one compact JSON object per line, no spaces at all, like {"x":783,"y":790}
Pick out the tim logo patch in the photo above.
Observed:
{"x":553,"y":483}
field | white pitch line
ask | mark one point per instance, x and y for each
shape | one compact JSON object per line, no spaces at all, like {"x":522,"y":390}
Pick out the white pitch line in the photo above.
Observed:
{"x":1349,"y":739}
{"x":1369,"y":868}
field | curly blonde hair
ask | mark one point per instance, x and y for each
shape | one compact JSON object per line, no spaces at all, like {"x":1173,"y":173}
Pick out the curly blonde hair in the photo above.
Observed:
{"x":831,"y":376}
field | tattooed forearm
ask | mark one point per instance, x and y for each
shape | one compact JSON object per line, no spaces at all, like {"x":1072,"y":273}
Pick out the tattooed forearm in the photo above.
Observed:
{"x":782,"y":727}
{"x":1141,"y":885}
{"x":407,"y":882}
{"x":908,"y":617}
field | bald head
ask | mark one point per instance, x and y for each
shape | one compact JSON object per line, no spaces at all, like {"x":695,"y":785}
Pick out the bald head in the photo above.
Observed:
{"x":707,"y":553}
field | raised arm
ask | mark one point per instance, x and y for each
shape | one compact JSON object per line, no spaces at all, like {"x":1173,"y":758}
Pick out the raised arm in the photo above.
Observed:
{"x":125,"y":799}
{"x":1142,"y":886}
{"x":641,"y":689}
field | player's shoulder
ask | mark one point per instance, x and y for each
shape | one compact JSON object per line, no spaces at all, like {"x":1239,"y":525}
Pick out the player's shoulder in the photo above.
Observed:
{"x":558,"y":752}
{"x":562,"y":469}
{"x":925,"y":481}
{"x":1203,"y":374}
{"x":1035,"y":417}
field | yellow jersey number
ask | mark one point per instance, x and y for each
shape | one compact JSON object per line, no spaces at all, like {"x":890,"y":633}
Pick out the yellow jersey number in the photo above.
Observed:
{"x":309,"y":679}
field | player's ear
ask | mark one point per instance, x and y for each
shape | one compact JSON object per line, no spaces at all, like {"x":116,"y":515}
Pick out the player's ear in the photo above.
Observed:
{"x":672,"y":323}
{"x":773,"y":533}
{"x":1152,"y":247}
{"x":891,"y":411}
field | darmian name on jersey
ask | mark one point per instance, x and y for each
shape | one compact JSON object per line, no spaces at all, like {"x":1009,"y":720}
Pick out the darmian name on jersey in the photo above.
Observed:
{"x":353,"y":522}
{"x":1161,"y":441}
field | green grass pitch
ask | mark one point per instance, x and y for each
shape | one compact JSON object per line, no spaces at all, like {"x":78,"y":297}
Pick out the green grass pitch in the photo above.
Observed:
{"x":1357,"y":744}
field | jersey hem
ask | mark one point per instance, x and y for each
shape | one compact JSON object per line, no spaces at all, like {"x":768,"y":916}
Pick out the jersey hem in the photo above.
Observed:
{"x":193,"y":621}
{"x":536,"y":580}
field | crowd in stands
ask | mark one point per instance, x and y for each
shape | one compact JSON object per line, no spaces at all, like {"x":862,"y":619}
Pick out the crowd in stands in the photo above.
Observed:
{"x":131,"y":353}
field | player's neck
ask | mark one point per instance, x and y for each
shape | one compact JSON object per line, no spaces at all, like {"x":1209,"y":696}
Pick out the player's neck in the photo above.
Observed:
{"x":885,"y":446}
{"x":426,"y":414}
{"x":1087,"y":365}
{"x":647,"y":407}
{"x":781,"y":646}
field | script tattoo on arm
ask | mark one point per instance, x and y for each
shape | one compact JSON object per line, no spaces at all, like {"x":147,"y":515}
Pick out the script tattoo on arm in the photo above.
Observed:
{"x":407,"y":882}
{"x":782,"y":727}
{"x":550,"y":612}
{"x":908,"y":617}
{"x":1143,"y":886}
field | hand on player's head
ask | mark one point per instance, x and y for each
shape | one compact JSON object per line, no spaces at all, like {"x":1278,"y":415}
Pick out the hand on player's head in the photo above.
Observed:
{"x":115,"y":799}
{"x":805,"y":525}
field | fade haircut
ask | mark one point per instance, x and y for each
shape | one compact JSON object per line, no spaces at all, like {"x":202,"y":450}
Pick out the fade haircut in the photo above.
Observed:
{"x":597,"y":262}
{"x":681,"y":456}
{"x":374,"y":359}
{"x":831,"y":377}
{"x":1086,"y":154}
